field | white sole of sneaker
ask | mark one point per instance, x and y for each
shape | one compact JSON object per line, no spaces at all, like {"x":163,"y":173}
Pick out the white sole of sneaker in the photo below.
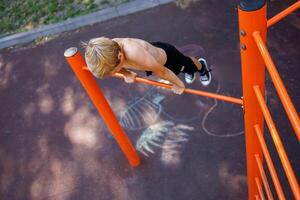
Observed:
{"x":205,"y":83}
{"x":192,"y":81}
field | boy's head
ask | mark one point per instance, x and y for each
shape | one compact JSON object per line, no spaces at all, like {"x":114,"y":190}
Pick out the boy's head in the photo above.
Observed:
{"x":102,"y":56}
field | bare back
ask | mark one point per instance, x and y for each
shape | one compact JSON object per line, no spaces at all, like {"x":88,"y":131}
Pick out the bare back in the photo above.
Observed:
{"x":132,"y":44}
{"x":143,"y":56}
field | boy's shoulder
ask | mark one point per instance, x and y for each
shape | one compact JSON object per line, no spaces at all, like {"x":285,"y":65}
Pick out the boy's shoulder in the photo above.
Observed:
{"x":131,"y":41}
{"x":132,"y":44}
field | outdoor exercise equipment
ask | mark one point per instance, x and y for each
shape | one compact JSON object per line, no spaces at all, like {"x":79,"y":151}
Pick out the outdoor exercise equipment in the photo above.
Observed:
{"x":253,"y":26}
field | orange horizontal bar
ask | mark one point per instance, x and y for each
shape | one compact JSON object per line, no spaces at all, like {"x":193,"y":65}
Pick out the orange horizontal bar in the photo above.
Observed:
{"x":269,"y":163}
{"x":278,"y":144}
{"x":284,"y":97}
{"x":260,"y":190}
{"x":264,"y":177}
{"x":190,"y":91}
{"x":283,"y":14}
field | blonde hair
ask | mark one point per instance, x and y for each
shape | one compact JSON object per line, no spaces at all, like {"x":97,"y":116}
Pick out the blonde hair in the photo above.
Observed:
{"x":101,"y":56}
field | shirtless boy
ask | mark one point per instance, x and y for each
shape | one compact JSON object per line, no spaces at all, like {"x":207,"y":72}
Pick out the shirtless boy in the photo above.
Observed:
{"x":105,"y":56}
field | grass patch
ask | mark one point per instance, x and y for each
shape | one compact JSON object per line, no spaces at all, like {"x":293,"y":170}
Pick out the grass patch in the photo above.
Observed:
{"x":23,"y":15}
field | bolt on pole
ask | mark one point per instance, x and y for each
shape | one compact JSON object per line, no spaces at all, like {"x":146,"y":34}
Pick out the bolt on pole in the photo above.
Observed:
{"x":252,"y":17}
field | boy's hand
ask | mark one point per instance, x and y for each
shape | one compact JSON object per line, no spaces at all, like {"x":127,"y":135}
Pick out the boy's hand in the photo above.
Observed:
{"x":129,"y":78}
{"x":177,"y":90}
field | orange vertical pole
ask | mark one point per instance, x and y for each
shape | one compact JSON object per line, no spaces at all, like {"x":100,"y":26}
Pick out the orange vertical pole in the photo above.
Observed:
{"x":252,"y":17}
{"x":77,"y":63}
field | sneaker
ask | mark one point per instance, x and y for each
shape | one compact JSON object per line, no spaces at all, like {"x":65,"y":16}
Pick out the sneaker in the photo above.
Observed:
{"x":205,"y":77}
{"x":189,"y":78}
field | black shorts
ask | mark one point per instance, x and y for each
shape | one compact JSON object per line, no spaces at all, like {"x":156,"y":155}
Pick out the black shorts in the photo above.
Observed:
{"x":176,"y":61}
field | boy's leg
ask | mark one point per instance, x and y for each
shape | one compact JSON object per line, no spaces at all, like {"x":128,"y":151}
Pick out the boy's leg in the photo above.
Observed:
{"x":197,"y":63}
{"x":177,"y":62}
{"x":204,"y":73}
{"x":193,"y":65}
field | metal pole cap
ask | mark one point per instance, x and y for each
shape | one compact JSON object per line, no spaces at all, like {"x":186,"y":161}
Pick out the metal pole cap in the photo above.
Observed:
{"x":251,"y":5}
{"x":70,"y":52}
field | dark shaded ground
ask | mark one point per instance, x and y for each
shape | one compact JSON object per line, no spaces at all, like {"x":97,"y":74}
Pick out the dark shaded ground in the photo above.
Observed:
{"x":55,"y":146}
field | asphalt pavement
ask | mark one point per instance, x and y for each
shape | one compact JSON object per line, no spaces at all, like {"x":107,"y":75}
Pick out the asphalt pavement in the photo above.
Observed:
{"x":54,"y":145}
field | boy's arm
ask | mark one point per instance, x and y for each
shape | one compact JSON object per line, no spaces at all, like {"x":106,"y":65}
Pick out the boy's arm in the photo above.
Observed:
{"x":129,"y":76}
{"x":125,"y":72}
{"x":178,"y":86}
{"x":166,"y":74}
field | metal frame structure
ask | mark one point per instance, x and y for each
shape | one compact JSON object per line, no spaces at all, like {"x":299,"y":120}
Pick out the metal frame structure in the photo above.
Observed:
{"x":255,"y":58}
{"x":253,"y":26}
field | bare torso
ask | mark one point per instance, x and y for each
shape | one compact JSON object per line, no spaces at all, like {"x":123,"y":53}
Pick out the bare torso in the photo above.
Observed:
{"x":141,"y":55}
{"x":133,"y":44}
